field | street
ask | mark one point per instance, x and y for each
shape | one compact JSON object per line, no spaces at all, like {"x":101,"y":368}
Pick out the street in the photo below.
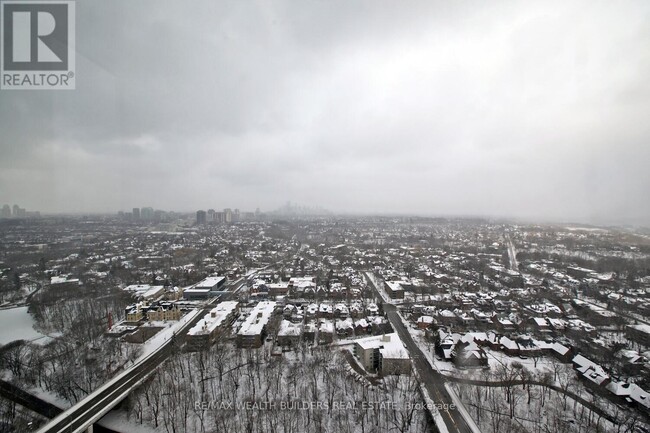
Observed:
{"x":433,"y":381}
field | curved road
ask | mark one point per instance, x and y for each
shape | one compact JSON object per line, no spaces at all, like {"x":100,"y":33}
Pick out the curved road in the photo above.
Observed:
{"x":501,"y":384}
{"x":97,"y":404}
{"x":85,"y":412}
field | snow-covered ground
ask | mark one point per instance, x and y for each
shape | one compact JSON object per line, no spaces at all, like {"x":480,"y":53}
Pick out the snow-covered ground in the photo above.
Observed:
{"x":305,"y":376}
{"x":379,"y":283}
{"x":560,"y":373}
{"x":435,"y":413}
{"x":49,"y":397}
{"x":170,"y":329}
{"x":495,"y":359}
{"x":117,"y":420}
{"x":17,"y":324}
{"x":463,"y":410}
{"x":427,"y":349}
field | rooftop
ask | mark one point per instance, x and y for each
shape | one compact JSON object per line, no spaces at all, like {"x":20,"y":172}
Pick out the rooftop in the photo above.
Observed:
{"x":257,"y":318}
{"x":390,"y":346}
{"x":213,"y":319}
{"x":209,"y":282}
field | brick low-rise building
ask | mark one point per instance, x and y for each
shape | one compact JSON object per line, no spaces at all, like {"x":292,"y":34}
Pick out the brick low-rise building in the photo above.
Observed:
{"x":253,"y":330}
{"x":204,"y":333}
{"x":384,"y":354}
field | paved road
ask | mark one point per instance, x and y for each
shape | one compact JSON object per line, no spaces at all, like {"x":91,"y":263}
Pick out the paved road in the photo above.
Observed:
{"x":17,"y":395}
{"x":615,"y":310}
{"x":500,"y":384}
{"x":38,"y":405}
{"x":512,"y":254}
{"x":84,"y":411}
{"x":433,"y":381}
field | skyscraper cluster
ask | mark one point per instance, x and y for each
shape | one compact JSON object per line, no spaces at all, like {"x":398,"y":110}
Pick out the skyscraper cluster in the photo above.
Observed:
{"x":17,"y":212}
{"x":227,"y":216}
{"x":146,"y":214}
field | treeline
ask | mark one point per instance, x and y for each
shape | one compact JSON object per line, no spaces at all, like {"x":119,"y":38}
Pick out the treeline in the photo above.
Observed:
{"x":518,"y":400}
{"x":174,"y":399}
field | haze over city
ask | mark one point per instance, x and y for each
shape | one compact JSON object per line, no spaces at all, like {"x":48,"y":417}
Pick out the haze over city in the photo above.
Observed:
{"x":324,"y":216}
{"x":520,"y":109}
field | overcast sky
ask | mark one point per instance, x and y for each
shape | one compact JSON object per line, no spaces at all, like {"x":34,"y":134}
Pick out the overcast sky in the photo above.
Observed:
{"x":524,"y":109}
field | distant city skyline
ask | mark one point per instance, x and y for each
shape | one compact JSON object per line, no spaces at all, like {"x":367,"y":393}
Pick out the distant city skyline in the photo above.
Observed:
{"x":15,"y":211}
{"x":303,"y":210}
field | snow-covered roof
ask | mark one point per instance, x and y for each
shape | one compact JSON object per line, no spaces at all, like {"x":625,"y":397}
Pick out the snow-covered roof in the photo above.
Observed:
{"x":590,"y":370}
{"x":257,"y":318}
{"x":395,"y":286}
{"x":302,"y":282}
{"x":641,"y":328}
{"x":289,"y":329}
{"x":540,"y":321}
{"x":508,"y":343}
{"x":472,"y":337}
{"x":326,"y":326}
{"x":640,"y":396}
{"x":62,"y":280}
{"x":345,"y":324}
{"x":631,"y":391}
{"x":138,"y":288}
{"x":362,"y":323}
{"x":209,"y":282}
{"x":153,"y":291}
{"x":390,"y":346}
{"x":560,"y":348}
{"x":213,"y":319}
{"x":582,"y":362}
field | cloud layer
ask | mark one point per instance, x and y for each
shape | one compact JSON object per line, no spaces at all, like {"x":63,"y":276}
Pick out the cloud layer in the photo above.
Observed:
{"x":525,"y":109}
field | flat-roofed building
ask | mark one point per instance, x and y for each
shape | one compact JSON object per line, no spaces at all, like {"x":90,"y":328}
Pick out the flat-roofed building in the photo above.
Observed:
{"x":278,"y":289}
{"x":384,"y":354}
{"x":64,"y":282}
{"x":300,"y":286}
{"x":209,"y":287}
{"x":204,"y":333}
{"x":145,"y":291}
{"x":394,"y":290}
{"x":253,"y":330}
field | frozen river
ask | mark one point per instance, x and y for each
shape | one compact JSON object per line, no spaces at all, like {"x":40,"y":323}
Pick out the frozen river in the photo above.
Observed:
{"x":17,"y":324}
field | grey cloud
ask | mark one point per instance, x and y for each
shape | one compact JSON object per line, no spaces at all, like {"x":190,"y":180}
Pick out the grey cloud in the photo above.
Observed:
{"x":511,"y":108}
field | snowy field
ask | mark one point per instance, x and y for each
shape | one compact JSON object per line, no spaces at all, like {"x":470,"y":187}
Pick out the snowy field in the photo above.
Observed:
{"x":17,"y":324}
